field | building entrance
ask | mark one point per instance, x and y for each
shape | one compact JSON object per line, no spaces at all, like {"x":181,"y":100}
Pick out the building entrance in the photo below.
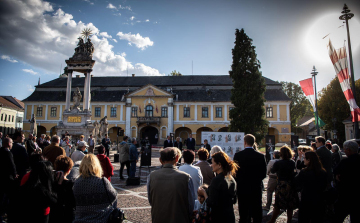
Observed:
{"x":150,"y":132}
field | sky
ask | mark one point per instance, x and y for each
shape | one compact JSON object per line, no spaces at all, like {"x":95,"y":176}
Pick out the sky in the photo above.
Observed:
{"x":148,"y":38}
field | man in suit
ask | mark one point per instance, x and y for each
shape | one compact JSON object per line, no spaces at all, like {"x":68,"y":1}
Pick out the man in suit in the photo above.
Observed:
{"x":207,"y":146}
{"x":168,"y":142}
{"x":325,"y":156}
{"x":30,"y":146}
{"x":249,"y":181}
{"x":106,"y":143}
{"x":190,"y":143}
{"x":21,"y":158}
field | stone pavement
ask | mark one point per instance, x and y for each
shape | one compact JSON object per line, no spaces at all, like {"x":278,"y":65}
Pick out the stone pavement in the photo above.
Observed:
{"x":133,"y":199}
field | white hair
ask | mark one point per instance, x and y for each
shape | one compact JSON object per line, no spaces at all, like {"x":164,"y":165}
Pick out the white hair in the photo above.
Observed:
{"x":215,"y":149}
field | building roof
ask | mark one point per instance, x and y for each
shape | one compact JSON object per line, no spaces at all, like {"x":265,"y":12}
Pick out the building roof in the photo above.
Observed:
{"x":197,"y":94}
{"x":186,"y":80}
{"x":12,"y":103}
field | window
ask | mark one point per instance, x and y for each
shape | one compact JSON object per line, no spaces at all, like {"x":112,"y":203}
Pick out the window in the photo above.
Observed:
{"x":9,"y":118}
{"x":97,"y":111}
{"x":113,"y":112}
{"x":269,"y":112}
{"x":164,"y":111}
{"x":12,"y":119}
{"x":2,"y":117}
{"x":5,"y":117}
{"x":186,"y":112}
{"x":149,"y":111}
{"x":218,"y":113}
{"x":53,"y":112}
{"x":205,"y":112}
{"x":39,"y":111}
{"x":134,"y":112}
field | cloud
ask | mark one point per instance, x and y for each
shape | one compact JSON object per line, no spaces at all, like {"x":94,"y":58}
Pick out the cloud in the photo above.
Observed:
{"x":88,"y":1}
{"x":117,"y":14}
{"x":105,"y":34}
{"x":137,"y":39}
{"x":114,"y":40}
{"x":30,"y":88}
{"x":132,"y":18}
{"x":147,"y":20}
{"x":111,"y":6}
{"x":6,"y":57}
{"x":30,"y":71}
{"x":125,"y":7}
{"x":33,"y":31}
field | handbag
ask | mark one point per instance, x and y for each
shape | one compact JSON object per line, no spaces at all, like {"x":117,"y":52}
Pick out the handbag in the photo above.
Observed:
{"x":117,"y":215}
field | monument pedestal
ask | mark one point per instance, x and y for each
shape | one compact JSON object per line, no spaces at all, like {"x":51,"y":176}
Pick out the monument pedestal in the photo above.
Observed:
{"x":77,"y":123}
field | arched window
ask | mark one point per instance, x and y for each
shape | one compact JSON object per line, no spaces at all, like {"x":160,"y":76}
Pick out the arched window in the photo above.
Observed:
{"x":149,"y":111}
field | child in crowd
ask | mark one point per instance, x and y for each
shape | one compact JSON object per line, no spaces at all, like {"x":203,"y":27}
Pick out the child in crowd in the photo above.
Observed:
{"x":201,"y":212}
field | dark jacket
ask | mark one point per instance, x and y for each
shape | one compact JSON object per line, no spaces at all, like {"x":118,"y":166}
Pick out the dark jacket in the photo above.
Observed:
{"x":106,"y":142}
{"x":178,"y":145}
{"x":206,"y":172}
{"x":64,"y":209}
{"x":221,"y":198}
{"x":335,"y":159}
{"x":134,"y":155}
{"x":207,"y":147}
{"x":30,"y":146}
{"x":168,"y":144}
{"x":284,"y":169}
{"x":251,"y":172}
{"x":190,"y":143}
{"x":8,"y":169}
{"x":21,"y":159}
{"x":108,"y":169}
{"x":326,"y":160}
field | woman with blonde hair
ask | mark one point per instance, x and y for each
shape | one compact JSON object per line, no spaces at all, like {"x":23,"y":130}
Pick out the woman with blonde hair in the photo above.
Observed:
{"x":94,"y":195}
{"x":221,"y":195}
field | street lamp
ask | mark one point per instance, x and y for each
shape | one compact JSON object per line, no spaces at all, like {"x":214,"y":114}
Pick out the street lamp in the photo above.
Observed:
{"x":346,"y":15}
{"x":314,"y":73}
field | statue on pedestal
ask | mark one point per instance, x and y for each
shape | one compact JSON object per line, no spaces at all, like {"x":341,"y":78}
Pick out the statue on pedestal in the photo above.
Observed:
{"x":103,"y":127}
{"x":77,"y":98}
{"x":33,"y":128}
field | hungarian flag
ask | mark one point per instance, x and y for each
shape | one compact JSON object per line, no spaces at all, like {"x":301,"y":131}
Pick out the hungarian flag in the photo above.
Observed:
{"x":308,"y":89}
{"x":339,"y":59}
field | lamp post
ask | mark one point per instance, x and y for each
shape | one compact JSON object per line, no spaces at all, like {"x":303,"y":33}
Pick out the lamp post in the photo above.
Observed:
{"x":314,"y":73}
{"x":346,"y":15}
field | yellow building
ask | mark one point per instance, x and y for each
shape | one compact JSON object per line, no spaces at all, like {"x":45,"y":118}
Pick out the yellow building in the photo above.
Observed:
{"x":11,"y":114}
{"x":148,"y":106}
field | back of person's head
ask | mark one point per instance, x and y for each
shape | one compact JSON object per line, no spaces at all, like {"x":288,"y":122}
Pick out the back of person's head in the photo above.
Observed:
{"x":41,"y":175}
{"x":320,"y":139}
{"x":133,"y":140}
{"x":6,"y":142}
{"x":313,"y":145}
{"x":328,"y":146}
{"x":90,"y":166}
{"x":351,"y":146}
{"x":35,"y":158}
{"x":228,"y":165}
{"x":16,"y":135}
{"x":314,"y":162}
{"x":125,"y":138}
{"x":249,"y":139}
{"x":336,"y":147}
{"x":47,"y":138}
{"x":169,"y":154}
{"x":286,"y":153}
{"x":277,"y":154}
{"x":189,"y":156}
{"x":305,"y":148}
{"x":215,"y":149}
{"x":101,"y":149}
{"x":63,"y":163}
{"x":203,"y":154}
{"x":55,"y":139}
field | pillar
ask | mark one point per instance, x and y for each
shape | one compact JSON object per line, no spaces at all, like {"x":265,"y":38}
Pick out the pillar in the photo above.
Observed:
{"x":86,"y":99}
{"x":68,"y":91}
{"x":170,"y":128}
{"x":128,"y":117}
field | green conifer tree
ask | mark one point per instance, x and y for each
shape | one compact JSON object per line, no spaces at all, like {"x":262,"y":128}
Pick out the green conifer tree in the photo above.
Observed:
{"x":249,"y":87}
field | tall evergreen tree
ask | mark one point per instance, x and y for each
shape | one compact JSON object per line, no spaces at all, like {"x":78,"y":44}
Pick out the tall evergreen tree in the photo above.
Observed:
{"x":248,"y":90}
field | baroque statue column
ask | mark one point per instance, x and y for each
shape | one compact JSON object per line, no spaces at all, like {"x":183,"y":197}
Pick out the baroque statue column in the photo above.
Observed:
{"x":86,"y":101}
{"x":68,"y":90}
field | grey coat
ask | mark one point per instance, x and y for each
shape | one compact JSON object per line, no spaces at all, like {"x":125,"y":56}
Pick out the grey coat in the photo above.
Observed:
{"x":124,"y":152}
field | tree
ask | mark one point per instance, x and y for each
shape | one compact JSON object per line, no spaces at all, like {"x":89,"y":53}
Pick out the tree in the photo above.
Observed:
{"x":247,"y":94}
{"x":299,"y":106}
{"x":175,"y":73}
{"x":332,"y":104}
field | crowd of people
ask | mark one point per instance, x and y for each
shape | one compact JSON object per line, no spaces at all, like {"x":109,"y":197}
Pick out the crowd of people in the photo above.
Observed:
{"x":55,"y":181}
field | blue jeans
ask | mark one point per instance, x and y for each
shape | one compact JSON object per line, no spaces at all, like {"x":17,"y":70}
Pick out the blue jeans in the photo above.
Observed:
{"x":132,"y":169}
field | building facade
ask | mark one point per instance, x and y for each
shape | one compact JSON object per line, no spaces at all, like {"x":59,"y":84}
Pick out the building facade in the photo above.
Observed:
{"x":156,"y":106}
{"x":11,"y":114}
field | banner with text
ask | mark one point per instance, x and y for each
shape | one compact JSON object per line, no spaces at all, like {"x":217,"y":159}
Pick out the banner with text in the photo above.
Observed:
{"x":230,"y":142}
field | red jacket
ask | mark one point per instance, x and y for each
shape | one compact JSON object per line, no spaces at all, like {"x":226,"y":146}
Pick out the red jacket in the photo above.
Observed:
{"x":108,"y":169}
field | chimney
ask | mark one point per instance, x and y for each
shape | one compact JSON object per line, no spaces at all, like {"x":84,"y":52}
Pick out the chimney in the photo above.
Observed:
{"x":133,"y":75}
{"x":77,"y":76}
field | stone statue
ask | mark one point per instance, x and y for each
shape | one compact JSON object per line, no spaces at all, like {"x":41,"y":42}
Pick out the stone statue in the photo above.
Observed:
{"x":103,"y":127}
{"x":33,"y":127}
{"x":96,"y":130}
{"x":84,"y":51}
{"x":77,"y":98}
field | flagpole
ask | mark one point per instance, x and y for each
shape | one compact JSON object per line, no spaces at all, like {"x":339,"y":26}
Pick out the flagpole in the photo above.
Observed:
{"x":314,"y":73}
{"x":346,"y":16}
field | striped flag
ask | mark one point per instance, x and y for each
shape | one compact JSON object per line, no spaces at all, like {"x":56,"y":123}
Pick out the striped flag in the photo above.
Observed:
{"x":308,"y":89}
{"x":339,"y":59}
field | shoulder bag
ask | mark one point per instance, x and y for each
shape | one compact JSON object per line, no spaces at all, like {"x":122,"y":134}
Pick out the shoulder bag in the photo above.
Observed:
{"x":117,"y":215}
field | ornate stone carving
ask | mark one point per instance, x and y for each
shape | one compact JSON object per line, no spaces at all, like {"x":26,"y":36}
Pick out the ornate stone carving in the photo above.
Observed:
{"x":33,"y":127}
{"x":103,"y":127}
{"x":149,"y":92}
{"x":77,"y":98}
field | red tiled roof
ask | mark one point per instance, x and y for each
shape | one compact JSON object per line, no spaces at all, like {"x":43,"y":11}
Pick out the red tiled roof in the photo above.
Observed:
{"x":7,"y":104}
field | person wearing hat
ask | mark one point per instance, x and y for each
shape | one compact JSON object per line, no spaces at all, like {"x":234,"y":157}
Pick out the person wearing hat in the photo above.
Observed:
{"x":80,"y":151}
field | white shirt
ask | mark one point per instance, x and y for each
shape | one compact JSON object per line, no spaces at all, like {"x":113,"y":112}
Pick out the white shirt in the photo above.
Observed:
{"x":195,"y":174}
{"x":77,"y":156}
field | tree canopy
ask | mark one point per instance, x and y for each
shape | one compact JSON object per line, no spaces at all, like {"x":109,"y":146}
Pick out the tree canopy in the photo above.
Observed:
{"x":175,"y":73}
{"x":248,"y":90}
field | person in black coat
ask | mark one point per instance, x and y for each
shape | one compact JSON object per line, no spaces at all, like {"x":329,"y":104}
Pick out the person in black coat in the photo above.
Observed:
{"x":325,"y":156}
{"x":30,"y":146}
{"x":249,"y":180}
{"x":21,"y":158}
{"x":207,"y":146}
{"x":106,"y":143}
{"x":168,"y":142}
{"x":221,"y":194}
{"x":190,"y":143}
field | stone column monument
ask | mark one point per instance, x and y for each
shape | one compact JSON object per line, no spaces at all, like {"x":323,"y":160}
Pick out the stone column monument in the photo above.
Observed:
{"x":74,"y":120}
